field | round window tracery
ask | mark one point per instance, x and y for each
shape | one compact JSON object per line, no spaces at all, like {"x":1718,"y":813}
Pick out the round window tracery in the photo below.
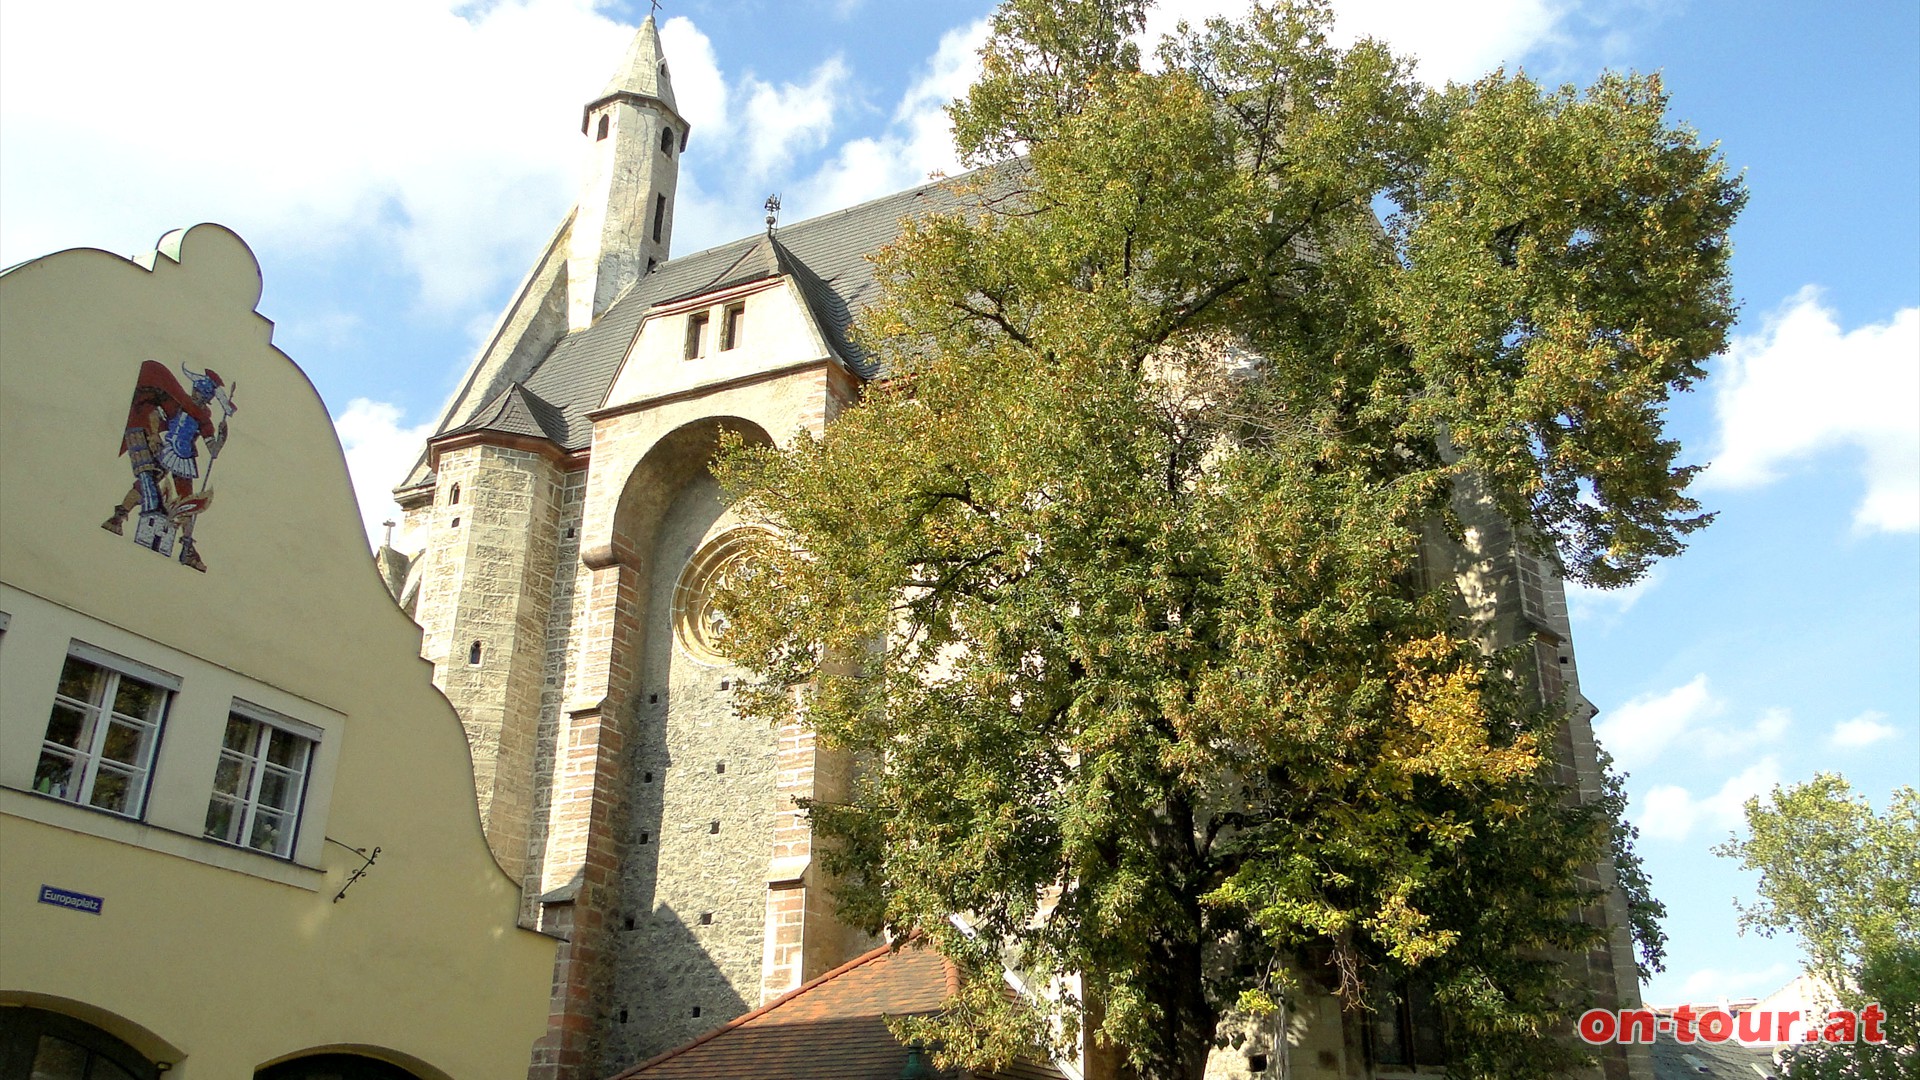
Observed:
{"x":699,"y":620}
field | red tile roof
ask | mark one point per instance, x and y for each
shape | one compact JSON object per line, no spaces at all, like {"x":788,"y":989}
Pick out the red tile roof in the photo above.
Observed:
{"x":832,"y":1028}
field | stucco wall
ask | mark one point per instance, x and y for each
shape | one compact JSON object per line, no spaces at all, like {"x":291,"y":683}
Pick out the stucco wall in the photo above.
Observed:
{"x":222,"y":958}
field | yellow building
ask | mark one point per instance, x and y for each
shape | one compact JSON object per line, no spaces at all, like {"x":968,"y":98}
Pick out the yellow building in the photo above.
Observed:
{"x":212,"y":717}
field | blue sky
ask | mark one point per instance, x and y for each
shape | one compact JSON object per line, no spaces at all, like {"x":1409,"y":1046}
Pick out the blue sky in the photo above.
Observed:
{"x":397,"y":163}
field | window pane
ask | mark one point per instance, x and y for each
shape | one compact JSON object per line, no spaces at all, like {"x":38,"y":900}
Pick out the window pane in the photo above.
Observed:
{"x":220,"y":819}
{"x":270,"y":831}
{"x":54,"y":775}
{"x":112,"y":790}
{"x":287,"y":750}
{"x":230,"y":776}
{"x":65,"y":725}
{"x":81,"y":681}
{"x":274,"y":788}
{"x":58,"y":1059}
{"x":126,"y":743}
{"x":239,"y":734}
{"x":137,"y":699}
{"x":107,"y":1070}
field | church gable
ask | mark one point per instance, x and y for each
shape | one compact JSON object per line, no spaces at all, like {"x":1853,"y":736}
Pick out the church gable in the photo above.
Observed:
{"x":718,"y":338}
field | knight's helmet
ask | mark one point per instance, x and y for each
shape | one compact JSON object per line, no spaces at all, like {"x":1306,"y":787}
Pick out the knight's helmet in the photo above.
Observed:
{"x":209,"y":386}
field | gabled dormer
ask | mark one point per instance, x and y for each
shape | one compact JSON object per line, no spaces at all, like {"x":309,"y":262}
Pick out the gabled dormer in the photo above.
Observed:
{"x":761,"y":311}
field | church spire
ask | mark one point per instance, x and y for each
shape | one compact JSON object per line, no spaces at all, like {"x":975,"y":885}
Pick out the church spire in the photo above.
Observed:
{"x":643,"y":72}
{"x":623,"y":223}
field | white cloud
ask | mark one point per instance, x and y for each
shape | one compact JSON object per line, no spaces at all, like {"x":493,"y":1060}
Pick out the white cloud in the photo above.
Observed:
{"x":1638,"y":732}
{"x":1671,"y":812}
{"x":780,"y":121}
{"x":1585,"y":602}
{"x":1712,"y":985}
{"x":1447,"y":45}
{"x":1863,"y":730}
{"x":407,"y":121}
{"x":1802,"y":386}
{"x":918,"y":140}
{"x":379,"y":453}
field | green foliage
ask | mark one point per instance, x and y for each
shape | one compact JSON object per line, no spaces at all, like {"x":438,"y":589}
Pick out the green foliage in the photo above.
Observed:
{"x":1120,"y":582}
{"x":1846,"y":882}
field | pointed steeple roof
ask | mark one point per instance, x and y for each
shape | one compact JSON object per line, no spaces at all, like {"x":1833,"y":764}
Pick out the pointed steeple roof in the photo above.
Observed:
{"x":518,"y":411}
{"x":642,"y":74}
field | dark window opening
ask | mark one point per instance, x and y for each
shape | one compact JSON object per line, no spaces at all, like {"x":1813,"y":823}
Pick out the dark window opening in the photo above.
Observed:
{"x":34,"y":1042}
{"x":719,"y":766}
{"x":1405,"y":1027}
{"x":696,"y":1010}
{"x":453,"y":494}
{"x":666,"y":142}
{"x":1257,"y":1063}
{"x":732,"y":321}
{"x":713,"y":827}
{"x":601,"y":132}
{"x":645,"y":838}
{"x":659,"y":217}
{"x":706,"y":918}
{"x":473,"y":655}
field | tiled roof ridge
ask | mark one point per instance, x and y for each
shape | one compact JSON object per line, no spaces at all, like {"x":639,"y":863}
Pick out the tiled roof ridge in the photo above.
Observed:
{"x":846,"y":211}
{"x":911,"y":941}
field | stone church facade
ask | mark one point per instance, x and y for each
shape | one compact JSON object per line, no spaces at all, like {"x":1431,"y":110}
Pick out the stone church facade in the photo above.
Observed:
{"x":561,"y":526}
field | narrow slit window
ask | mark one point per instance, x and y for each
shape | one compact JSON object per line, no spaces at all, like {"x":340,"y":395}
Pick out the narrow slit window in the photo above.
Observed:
{"x":659,"y":217}
{"x":453,"y":494}
{"x":601,"y":132}
{"x":473,"y":654}
{"x":697,"y":336}
{"x":731,"y":323}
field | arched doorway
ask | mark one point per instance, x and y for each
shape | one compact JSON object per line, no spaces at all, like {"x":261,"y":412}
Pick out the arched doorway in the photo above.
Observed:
{"x":52,"y":1046}
{"x":334,"y":1067}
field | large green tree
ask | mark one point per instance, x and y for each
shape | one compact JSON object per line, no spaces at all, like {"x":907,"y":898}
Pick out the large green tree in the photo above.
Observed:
{"x":1846,"y":882}
{"x":1116,"y":579}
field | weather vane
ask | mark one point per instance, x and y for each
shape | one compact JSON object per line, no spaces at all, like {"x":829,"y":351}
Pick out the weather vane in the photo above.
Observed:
{"x":773,"y":211}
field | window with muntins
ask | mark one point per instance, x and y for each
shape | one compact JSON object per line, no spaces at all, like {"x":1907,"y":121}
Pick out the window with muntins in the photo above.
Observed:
{"x":101,"y":734}
{"x":260,"y":781}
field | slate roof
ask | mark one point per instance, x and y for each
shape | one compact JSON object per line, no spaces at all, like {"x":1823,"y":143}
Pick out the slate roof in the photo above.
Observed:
{"x":518,"y":411}
{"x":1699,"y":1059}
{"x":828,"y":257}
{"x":832,"y":1028}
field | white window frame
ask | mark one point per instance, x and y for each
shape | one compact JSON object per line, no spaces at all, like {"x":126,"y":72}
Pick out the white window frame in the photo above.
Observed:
{"x":98,"y":719}
{"x":254,"y":763}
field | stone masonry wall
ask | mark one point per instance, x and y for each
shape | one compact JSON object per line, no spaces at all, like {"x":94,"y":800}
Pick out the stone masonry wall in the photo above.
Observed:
{"x":485,"y":605}
{"x":699,"y":826}
{"x":564,"y":608}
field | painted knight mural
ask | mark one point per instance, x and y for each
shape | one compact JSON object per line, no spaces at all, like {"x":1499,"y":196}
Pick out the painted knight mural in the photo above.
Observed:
{"x":167,"y":423}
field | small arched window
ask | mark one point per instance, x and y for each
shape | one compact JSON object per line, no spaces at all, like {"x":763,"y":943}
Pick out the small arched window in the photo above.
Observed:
{"x":453,"y":494}
{"x":601,"y":132}
{"x":473,"y":655}
{"x":666,"y":142}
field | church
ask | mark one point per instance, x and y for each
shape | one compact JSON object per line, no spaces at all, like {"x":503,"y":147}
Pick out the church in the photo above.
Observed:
{"x":562,"y":533}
